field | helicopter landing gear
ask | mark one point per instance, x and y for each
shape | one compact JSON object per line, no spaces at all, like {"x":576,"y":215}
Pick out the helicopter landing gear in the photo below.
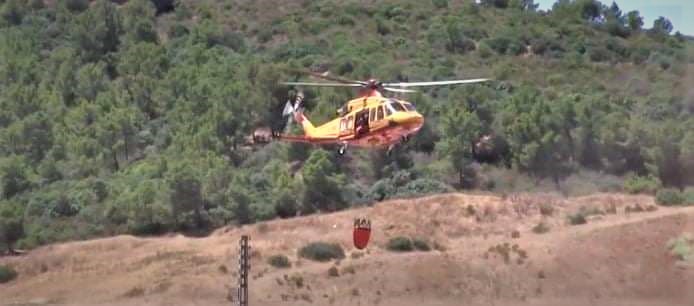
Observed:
{"x":342,"y":149}
{"x":390,"y":150}
{"x":392,"y":147}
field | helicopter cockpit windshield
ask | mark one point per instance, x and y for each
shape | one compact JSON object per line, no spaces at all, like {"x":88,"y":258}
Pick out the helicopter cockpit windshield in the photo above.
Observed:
{"x":399,"y":106}
{"x":395,"y":106}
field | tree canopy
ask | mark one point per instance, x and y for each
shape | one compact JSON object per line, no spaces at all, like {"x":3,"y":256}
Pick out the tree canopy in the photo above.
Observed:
{"x":133,"y":117}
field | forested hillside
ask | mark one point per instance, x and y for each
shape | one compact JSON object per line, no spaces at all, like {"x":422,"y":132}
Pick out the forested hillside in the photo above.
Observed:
{"x":118,"y":118}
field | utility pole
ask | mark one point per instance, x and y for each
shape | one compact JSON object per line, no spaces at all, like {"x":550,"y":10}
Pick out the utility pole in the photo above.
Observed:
{"x":244,"y":267}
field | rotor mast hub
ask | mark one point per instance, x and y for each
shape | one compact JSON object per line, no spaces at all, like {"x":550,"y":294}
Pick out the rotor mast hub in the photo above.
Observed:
{"x":373,"y":88}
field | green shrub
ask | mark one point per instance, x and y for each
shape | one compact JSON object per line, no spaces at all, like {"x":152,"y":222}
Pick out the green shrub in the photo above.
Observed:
{"x":617,"y":47}
{"x":470,"y":211}
{"x":381,"y":190}
{"x":539,"y":45}
{"x":546,"y":209}
{"x":7,"y":274}
{"x":599,"y":54}
{"x":440,"y":3}
{"x":404,"y":187}
{"x":552,"y":48}
{"x":421,"y":245}
{"x":355,"y":194}
{"x":285,"y":205}
{"x":577,"y":218}
{"x":617,"y":29}
{"x":499,"y":44}
{"x":400,"y":244}
{"x":688,"y":196}
{"x":669,"y":197}
{"x":297,"y":280}
{"x":515,"y":48}
{"x":264,"y":35}
{"x":333,"y":272}
{"x":382,"y":28}
{"x":484,"y":50}
{"x":422,"y":186}
{"x":279,"y":261}
{"x":134,"y":292}
{"x":640,"y":55}
{"x":460,"y":44}
{"x":662,"y":60}
{"x":642,"y":184}
{"x":345,"y":20}
{"x":681,"y":247}
{"x":322,"y":251}
{"x":506,"y":45}
{"x":541,"y":228}
{"x":76,"y":5}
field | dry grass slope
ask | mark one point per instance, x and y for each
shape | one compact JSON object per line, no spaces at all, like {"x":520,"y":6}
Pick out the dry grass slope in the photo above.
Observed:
{"x":486,"y":252}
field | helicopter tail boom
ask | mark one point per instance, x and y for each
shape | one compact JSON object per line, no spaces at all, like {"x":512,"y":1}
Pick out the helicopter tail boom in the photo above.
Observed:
{"x":308,"y":127}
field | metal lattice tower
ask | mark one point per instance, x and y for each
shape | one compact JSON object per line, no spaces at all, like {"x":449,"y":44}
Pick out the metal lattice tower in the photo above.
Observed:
{"x":244,"y":267}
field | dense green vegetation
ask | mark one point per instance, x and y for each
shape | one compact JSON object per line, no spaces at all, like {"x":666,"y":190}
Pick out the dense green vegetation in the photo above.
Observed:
{"x":121,"y":119}
{"x":669,"y":197}
{"x":673,"y":197}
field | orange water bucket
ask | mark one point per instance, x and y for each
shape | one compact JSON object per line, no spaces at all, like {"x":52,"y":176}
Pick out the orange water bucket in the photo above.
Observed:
{"x":361,"y":233}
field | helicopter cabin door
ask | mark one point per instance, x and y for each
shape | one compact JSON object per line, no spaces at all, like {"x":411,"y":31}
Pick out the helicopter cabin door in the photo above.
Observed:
{"x":361,"y":123}
{"x":346,"y":125}
{"x":377,"y":118}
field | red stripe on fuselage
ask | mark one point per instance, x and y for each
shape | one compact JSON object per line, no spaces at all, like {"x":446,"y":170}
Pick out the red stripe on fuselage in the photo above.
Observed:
{"x":383,"y":137}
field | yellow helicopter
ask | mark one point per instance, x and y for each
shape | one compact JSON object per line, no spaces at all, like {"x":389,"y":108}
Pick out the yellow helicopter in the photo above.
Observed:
{"x":371,"y":120}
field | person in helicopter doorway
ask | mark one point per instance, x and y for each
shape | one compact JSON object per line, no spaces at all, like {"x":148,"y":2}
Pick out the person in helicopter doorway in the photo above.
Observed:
{"x":361,"y":124}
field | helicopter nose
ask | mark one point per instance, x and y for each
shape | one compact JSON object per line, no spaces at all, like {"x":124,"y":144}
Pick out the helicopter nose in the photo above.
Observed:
{"x":409,"y":118}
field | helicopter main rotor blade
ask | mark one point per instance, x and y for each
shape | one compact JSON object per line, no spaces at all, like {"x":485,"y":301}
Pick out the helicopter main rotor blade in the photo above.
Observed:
{"x":399,"y":90}
{"x":435,"y":83}
{"x":326,"y":76}
{"x":321,"y":84}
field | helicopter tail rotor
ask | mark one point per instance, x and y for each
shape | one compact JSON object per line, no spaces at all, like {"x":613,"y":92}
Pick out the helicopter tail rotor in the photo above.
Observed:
{"x":291,"y":108}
